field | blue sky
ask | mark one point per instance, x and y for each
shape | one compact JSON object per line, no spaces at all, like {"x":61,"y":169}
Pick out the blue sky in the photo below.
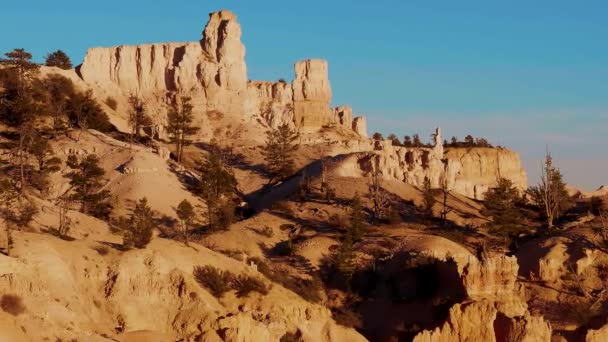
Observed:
{"x":522,"y":73}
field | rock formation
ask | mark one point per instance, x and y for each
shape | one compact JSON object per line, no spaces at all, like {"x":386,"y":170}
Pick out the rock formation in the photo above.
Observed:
{"x":213,"y":73}
{"x":495,"y":310}
{"x":469,"y":171}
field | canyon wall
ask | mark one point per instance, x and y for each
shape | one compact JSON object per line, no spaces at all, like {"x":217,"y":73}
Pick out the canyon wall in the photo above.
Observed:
{"x":213,"y":73}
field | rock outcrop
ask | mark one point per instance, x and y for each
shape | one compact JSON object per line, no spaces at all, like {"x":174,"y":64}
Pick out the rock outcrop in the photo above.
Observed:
{"x":468,"y":171}
{"x":495,"y":309}
{"x":213,"y":73}
{"x":312,"y":95}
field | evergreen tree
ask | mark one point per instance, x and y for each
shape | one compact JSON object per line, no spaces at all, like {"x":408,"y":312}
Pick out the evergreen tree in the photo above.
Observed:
{"x":138,"y":118}
{"x":454,"y":142}
{"x":377,"y":136}
{"x":180,"y":126}
{"x":393,"y":138}
{"x":86,"y":179}
{"x":58,"y":59}
{"x":18,"y":106}
{"x":428,"y":199}
{"x":501,"y":203}
{"x":407,"y":141}
{"x":550,"y":195}
{"x":417,"y":142}
{"x":140,"y":226}
{"x":345,"y":259}
{"x":469,"y":141}
{"x":185,"y":213}
{"x":357,"y":217}
{"x":40,"y":149}
{"x":215,"y":187}
{"x":279,"y":152}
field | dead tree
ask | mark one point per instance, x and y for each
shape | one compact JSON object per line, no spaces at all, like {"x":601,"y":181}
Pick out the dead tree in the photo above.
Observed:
{"x":378,"y":196}
{"x":445,"y":190}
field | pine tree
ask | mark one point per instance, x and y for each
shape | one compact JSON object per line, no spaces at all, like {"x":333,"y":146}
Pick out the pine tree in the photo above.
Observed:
{"x":393,"y":138}
{"x":407,"y":141}
{"x":40,"y":149}
{"x":19,"y":108}
{"x":86,"y":179}
{"x":138,"y":118}
{"x":357,"y":217}
{"x":215,"y":187}
{"x":454,"y":142}
{"x":344,"y":260}
{"x":550,"y":194}
{"x":180,"y":126}
{"x":417,"y":142}
{"x":58,"y":59}
{"x":469,"y":141}
{"x":185,"y":213}
{"x":501,"y":203}
{"x":279,"y":152}
{"x":377,"y":136}
{"x":140,"y":227}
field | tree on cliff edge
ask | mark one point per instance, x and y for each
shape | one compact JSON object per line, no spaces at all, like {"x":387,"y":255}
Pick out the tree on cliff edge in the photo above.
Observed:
{"x":58,"y":59}
{"x":279,"y":152}
{"x":180,"y":126}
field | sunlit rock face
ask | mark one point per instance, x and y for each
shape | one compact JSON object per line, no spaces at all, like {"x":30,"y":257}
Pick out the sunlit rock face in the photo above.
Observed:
{"x":213,"y":73}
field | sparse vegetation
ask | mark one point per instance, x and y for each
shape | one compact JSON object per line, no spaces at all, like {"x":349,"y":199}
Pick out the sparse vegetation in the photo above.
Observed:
{"x":219,"y":282}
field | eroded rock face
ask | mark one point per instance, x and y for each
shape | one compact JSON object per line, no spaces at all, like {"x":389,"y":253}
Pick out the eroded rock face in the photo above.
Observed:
{"x":466,"y":322}
{"x":468,"y":171}
{"x":599,"y":335}
{"x":495,"y":309}
{"x":495,"y":279}
{"x":213,"y":73}
{"x":312,"y":95}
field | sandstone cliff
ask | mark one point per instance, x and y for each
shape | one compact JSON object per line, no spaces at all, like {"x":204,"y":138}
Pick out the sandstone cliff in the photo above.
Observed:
{"x":496,"y":309}
{"x":213,"y":73}
{"x":468,"y":171}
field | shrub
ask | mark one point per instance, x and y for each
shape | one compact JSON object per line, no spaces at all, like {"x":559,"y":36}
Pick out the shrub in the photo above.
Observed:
{"x":246,"y":284}
{"x":233,"y":253}
{"x":12,"y":304}
{"x":111,"y":102}
{"x":213,"y":279}
{"x":305,"y":288}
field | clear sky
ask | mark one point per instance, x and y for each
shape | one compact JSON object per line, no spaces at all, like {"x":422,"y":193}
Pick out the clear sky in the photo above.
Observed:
{"x":521,"y":73}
